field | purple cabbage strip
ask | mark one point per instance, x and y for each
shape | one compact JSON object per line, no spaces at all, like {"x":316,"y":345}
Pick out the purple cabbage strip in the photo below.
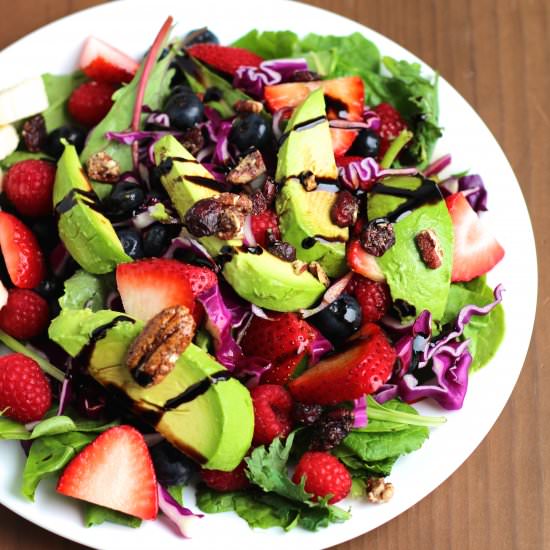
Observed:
{"x":359,"y":174}
{"x":318,"y":348}
{"x":372,"y":118}
{"x":181,"y":517}
{"x":474,"y":191}
{"x":437,"y":166}
{"x":360,"y":418}
{"x":129,"y":137}
{"x":253,"y":79}
{"x":386,"y":392}
{"x":194,"y":246}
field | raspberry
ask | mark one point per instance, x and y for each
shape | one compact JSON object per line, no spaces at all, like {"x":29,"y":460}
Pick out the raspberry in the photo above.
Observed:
{"x":25,"y":315}
{"x":391,"y":125}
{"x":374,"y":298}
{"x":272,"y":413}
{"x":325,"y":475}
{"x":25,"y":392}
{"x":226,"y":481}
{"x":331,"y":429}
{"x":29,"y":187}
{"x":264,"y":223}
{"x":91,"y":101}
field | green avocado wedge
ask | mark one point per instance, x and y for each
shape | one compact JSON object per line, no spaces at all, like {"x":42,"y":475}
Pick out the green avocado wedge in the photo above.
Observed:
{"x":307,"y":145}
{"x":407,"y":275}
{"x":198,"y":407}
{"x":306,"y":214}
{"x":86,"y":233}
{"x":269,"y":282}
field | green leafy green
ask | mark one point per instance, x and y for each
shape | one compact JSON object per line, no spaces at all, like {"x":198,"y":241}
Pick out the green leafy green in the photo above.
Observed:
{"x":485,"y":332}
{"x":393,"y":412}
{"x":83,"y":291}
{"x":96,"y":515}
{"x":176,"y":492}
{"x":270,"y":44}
{"x":19,"y":156}
{"x":58,"y":89}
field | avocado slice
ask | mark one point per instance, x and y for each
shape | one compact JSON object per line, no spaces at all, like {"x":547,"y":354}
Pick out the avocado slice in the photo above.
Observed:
{"x":187,"y":182}
{"x":86,"y":233}
{"x":306,"y":143}
{"x":305,"y":215}
{"x":408,"y":277}
{"x":270,"y":282}
{"x":198,"y":407}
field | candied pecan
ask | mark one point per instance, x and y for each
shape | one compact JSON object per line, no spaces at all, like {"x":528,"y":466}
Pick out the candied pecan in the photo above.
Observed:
{"x":248,"y":106}
{"x":304,"y":76}
{"x":34,"y":133}
{"x":193,"y":140}
{"x":248,"y":169}
{"x":317,"y":271}
{"x":429,"y":248}
{"x":269,"y":191}
{"x":154,"y":352}
{"x":259,"y":202}
{"x":345,"y":209}
{"x":377,"y":236}
{"x":307,"y":179}
{"x":101,"y":167}
{"x":282,"y":250}
{"x":299,"y":267}
{"x":379,"y":490}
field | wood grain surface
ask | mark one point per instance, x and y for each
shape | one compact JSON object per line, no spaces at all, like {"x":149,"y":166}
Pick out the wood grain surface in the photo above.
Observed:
{"x":496,"y":53}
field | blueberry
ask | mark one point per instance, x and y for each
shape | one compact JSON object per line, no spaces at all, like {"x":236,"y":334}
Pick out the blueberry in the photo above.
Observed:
{"x":250,"y":131}
{"x":156,"y":241}
{"x":338,"y":321}
{"x":171,"y":466}
{"x":124,"y":200}
{"x":184,"y":110}
{"x":74,"y":135}
{"x":50,"y":288}
{"x":131,"y":242}
{"x":366,"y":144}
{"x":45,"y":231}
{"x":200,"y":36}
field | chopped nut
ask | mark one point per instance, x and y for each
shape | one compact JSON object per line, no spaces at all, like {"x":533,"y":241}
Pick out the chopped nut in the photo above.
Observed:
{"x":377,"y":237}
{"x":248,"y":106}
{"x":193,"y":140}
{"x":307,"y":179}
{"x":101,"y":167}
{"x":154,"y":352}
{"x":248,"y":169}
{"x":379,"y":490}
{"x":298,"y":267}
{"x":317,"y":271}
{"x":429,"y":248}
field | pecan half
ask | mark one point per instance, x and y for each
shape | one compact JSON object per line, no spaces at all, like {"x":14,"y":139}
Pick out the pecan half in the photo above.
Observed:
{"x":193,"y":140}
{"x":379,"y":490}
{"x":248,"y":169}
{"x":317,"y":271}
{"x":429,"y":248}
{"x":248,"y":106}
{"x":154,"y":352}
{"x":101,"y":167}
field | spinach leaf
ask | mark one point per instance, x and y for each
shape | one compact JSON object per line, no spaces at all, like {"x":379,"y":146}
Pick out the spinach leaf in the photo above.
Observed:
{"x":96,"y":515}
{"x":58,"y":89}
{"x":18,"y":156}
{"x":270,"y":44}
{"x":176,"y":492}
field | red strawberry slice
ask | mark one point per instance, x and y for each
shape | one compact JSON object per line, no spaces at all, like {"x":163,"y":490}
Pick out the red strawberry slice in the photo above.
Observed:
{"x":102,"y":62}
{"x":226,"y":59}
{"x":262,"y":223}
{"x":285,"y":336}
{"x":283,"y":371}
{"x":22,"y":255}
{"x":114,"y":471}
{"x":342,"y":162}
{"x":341,"y":140}
{"x":199,"y":278}
{"x":363,"y":263}
{"x":147,"y":287}
{"x":359,"y":370}
{"x":476,"y":251}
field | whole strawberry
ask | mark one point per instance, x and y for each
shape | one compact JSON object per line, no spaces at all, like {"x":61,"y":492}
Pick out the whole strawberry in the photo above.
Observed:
{"x":25,"y":393}
{"x":25,"y":315}
{"x":29,"y":186}
{"x":226,"y":481}
{"x":272,"y":413}
{"x":324,"y":475}
{"x":91,"y":101}
{"x":373,"y":297}
{"x":392,"y":124}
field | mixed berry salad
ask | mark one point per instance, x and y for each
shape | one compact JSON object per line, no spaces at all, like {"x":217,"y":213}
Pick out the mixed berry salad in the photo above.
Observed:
{"x":234,"y":268}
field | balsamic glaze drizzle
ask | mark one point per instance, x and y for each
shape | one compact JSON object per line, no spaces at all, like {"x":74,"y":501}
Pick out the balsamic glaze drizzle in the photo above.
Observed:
{"x":71,"y":199}
{"x":196,"y":390}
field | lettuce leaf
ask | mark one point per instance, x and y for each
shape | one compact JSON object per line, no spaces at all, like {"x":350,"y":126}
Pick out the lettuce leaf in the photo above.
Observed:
{"x":96,"y":515}
{"x":58,"y":89}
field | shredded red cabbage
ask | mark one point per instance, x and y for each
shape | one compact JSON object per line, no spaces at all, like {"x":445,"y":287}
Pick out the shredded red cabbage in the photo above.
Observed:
{"x":360,"y":418}
{"x":474,"y":190}
{"x":372,"y":119}
{"x":128,"y":137}
{"x":318,"y":348}
{"x":437,"y":166}
{"x":253,"y":79}
{"x":359,"y":174}
{"x":181,"y":517}
{"x":194,"y":246}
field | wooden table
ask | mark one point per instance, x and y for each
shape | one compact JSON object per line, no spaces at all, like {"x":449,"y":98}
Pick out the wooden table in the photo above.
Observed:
{"x":496,"y":54}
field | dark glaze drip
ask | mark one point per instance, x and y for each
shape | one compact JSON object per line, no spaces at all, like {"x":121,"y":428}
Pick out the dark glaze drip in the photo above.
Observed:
{"x":335,"y":107}
{"x":427,"y":192}
{"x":256,"y":250}
{"x":71,"y":199}
{"x":301,"y":126}
{"x":196,"y":390}
{"x":330,"y":239}
{"x":181,"y":159}
{"x":206,"y":182}
{"x":308,"y":242}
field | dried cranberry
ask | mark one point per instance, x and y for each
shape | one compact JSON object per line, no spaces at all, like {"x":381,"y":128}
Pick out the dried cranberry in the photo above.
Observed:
{"x":305,"y":414}
{"x":377,"y":236}
{"x":282,"y":250}
{"x":259,"y":203}
{"x":345,"y":209}
{"x":204,"y":217}
{"x":34,"y":133}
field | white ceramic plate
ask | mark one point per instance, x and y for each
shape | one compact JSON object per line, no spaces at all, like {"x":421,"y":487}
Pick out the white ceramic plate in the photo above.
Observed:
{"x":131,"y":25}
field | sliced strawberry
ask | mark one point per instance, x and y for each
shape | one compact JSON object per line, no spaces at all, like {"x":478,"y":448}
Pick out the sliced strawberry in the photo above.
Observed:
{"x":147,"y":287}
{"x":199,"y":278}
{"x":284,"y":370}
{"x":102,"y":62}
{"x":343,"y":161}
{"x":341,"y":140}
{"x":226,"y":59}
{"x":363,"y":263}
{"x":285,"y":336}
{"x":476,"y":251}
{"x":359,"y":370}
{"x":114,"y":471}
{"x":22,"y":255}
